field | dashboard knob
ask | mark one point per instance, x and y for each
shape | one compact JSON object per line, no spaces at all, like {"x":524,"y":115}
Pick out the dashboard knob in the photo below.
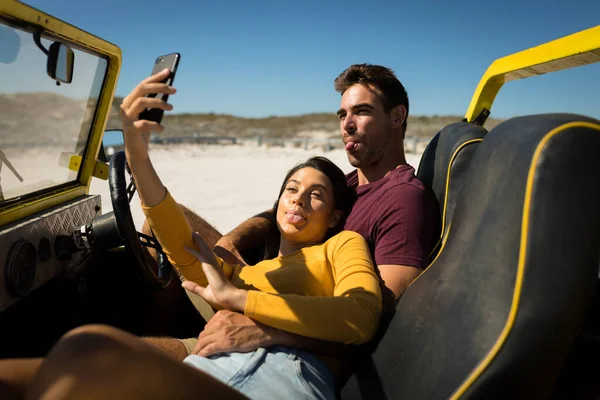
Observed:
{"x":20,"y":268}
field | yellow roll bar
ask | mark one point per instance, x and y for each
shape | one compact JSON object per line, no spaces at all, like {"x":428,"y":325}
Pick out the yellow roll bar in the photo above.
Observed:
{"x":571,"y":51}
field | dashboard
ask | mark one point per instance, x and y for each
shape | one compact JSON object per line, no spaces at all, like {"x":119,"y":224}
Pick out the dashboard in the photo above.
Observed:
{"x":33,"y":251}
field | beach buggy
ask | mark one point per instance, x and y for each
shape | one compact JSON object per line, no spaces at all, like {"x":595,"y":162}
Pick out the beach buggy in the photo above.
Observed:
{"x":506,"y":309}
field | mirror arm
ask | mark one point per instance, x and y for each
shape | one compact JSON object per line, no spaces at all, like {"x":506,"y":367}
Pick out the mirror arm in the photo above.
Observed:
{"x":37,"y":35}
{"x":37,"y":38}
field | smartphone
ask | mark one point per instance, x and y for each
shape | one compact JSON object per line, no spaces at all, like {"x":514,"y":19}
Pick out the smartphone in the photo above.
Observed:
{"x":170,"y":61}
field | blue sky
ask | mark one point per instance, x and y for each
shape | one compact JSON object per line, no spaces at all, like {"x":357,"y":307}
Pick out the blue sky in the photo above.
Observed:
{"x":261,"y":58}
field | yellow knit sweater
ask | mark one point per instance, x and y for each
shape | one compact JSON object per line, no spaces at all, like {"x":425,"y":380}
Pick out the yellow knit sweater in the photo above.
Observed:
{"x":328,"y":291}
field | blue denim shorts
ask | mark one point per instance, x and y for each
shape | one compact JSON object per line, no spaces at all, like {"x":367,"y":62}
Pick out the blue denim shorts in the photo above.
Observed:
{"x":270,"y":373}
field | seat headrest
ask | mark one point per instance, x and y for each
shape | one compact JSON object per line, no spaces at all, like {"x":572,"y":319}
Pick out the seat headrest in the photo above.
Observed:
{"x":495,"y":315}
{"x":443,"y":166}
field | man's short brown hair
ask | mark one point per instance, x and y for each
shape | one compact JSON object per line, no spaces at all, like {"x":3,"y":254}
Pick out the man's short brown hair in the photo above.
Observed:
{"x":384,"y":79}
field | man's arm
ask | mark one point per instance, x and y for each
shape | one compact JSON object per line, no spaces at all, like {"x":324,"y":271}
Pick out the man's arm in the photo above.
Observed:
{"x":248,"y":235}
{"x":230,"y":331}
{"x":395,"y":279}
{"x":404,"y":232}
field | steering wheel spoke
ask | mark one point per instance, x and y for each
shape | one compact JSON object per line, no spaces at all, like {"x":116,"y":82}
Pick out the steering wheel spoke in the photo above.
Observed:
{"x":130,"y":190}
{"x":131,"y":186}
{"x":149,"y":241}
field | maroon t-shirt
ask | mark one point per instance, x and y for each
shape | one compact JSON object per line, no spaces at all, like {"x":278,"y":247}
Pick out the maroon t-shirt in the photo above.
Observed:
{"x":397,"y":216}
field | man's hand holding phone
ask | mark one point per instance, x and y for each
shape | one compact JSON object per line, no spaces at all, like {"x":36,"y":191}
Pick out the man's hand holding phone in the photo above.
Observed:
{"x":136,"y":131}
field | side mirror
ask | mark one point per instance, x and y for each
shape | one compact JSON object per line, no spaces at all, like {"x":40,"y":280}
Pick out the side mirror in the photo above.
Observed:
{"x":112,"y":142}
{"x":60,"y":62}
{"x":10,"y":45}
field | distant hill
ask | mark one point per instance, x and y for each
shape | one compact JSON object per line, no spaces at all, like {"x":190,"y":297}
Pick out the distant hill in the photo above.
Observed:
{"x":25,"y":118}
{"x":307,"y":125}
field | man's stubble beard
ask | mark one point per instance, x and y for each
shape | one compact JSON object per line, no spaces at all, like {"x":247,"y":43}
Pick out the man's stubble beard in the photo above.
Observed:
{"x":370,"y":158}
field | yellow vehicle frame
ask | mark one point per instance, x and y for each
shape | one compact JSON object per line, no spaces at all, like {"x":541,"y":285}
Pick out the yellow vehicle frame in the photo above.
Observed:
{"x":28,"y":17}
{"x":571,"y":51}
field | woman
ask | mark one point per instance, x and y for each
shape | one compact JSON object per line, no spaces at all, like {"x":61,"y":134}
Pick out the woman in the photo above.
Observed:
{"x":316,"y":281}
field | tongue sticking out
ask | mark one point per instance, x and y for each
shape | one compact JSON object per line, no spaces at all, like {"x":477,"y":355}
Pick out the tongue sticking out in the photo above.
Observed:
{"x":294,"y":218}
{"x":351,"y":146}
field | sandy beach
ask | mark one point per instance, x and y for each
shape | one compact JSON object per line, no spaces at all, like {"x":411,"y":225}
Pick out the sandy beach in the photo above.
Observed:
{"x":225,"y":184}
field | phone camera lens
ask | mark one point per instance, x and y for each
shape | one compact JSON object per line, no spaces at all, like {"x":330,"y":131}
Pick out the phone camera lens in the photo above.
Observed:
{"x":161,"y":59}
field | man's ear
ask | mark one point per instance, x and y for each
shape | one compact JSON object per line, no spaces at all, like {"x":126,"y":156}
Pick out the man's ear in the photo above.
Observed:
{"x":398,"y":116}
{"x":335,"y":218}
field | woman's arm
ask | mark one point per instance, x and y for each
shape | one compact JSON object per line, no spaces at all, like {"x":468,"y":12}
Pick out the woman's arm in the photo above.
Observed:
{"x":136,"y":134}
{"x":351,"y":315}
{"x":174,"y":233}
{"x":164,"y":216}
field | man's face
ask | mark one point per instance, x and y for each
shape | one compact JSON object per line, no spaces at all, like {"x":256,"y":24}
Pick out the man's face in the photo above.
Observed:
{"x":365,"y":126}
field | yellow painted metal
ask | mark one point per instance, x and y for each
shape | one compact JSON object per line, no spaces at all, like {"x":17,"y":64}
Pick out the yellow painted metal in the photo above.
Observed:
{"x":571,"y":51}
{"x":40,"y":203}
{"x":100,"y":168}
{"x":23,"y":15}
{"x":75,"y":163}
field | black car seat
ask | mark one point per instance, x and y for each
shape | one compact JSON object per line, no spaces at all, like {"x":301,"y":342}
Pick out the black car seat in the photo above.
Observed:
{"x":495,"y":315}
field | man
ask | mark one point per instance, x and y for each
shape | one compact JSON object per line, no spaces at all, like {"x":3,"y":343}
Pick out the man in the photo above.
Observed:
{"x":393,"y":211}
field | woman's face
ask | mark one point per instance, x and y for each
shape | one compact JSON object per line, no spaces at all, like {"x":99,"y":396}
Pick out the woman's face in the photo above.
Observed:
{"x":306,"y":207}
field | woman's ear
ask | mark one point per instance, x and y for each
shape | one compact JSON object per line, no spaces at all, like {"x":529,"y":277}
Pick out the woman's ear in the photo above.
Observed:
{"x":335,"y":218}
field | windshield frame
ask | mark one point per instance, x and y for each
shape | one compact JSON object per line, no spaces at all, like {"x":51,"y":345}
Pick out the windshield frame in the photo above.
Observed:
{"x":29,"y":19}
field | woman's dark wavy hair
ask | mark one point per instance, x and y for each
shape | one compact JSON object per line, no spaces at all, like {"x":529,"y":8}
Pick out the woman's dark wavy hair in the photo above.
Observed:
{"x":343,"y":198}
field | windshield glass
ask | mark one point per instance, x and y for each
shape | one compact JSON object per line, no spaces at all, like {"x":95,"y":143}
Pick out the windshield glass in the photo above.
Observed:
{"x":43,"y":126}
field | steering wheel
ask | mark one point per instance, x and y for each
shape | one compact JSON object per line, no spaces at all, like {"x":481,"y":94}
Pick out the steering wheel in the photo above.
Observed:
{"x":121,"y":194}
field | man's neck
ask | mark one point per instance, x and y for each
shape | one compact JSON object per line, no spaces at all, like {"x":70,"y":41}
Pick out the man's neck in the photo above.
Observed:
{"x":380,"y":170}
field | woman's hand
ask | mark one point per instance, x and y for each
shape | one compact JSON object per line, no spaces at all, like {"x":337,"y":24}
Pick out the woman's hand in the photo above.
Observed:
{"x":220,"y":291}
{"x":136,"y":132}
